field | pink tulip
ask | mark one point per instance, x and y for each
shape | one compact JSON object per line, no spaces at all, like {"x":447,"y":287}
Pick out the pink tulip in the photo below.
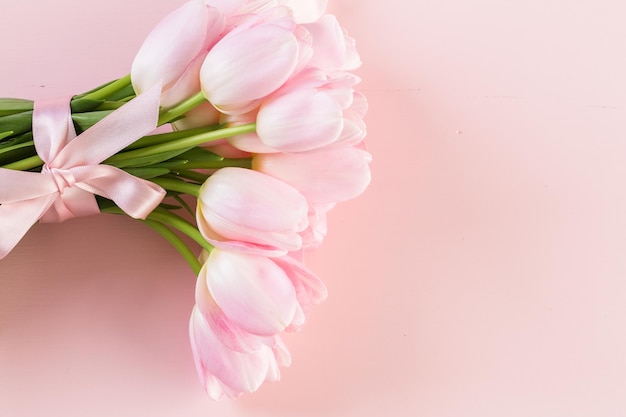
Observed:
{"x":251,"y":62}
{"x":242,"y":303}
{"x":299,"y":121}
{"x":308,"y":112}
{"x":255,"y":293}
{"x":325,"y":175}
{"x":174,"y":51}
{"x":228,"y":373}
{"x":247,"y":210}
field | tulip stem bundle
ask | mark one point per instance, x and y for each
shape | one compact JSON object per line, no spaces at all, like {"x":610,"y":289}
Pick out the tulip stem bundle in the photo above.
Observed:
{"x":177,"y":243}
{"x":267,"y":136}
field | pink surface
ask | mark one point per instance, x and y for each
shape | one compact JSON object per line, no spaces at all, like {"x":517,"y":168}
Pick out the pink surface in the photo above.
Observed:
{"x":482,"y":274}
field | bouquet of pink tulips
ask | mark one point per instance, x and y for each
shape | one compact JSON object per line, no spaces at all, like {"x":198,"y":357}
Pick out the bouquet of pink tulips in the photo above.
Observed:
{"x":265,"y":132}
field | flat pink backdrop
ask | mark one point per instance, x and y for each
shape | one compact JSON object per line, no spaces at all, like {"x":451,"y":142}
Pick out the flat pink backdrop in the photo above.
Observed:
{"x":482,"y":274}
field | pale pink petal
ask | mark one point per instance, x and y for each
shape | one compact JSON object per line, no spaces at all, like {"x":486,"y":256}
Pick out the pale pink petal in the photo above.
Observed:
{"x":342,"y":174}
{"x":223,"y":371}
{"x":252,"y":291}
{"x":174,"y":44}
{"x":300,"y":121}
{"x":310,"y":290}
{"x":250,"y":142}
{"x":226,"y":6}
{"x":283,"y":357}
{"x":229,"y":334}
{"x":248,"y":65}
{"x":187,"y":84}
{"x":307,"y":10}
{"x":318,"y":225}
{"x":354,"y":129}
{"x":201,"y":116}
{"x":238,"y":204}
{"x":333,"y":49}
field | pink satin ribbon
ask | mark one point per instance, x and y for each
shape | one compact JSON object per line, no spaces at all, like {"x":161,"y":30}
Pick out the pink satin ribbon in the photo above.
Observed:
{"x":72,"y":175}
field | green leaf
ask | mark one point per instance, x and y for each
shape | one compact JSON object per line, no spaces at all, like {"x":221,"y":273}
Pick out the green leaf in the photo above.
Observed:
{"x":16,"y":152}
{"x":143,"y":161}
{"x":14,"y":105}
{"x":5,"y":134}
{"x":17,"y":123}
{"x":170,"y":206}
{"x":11,"y":145}
{"x":124,"y":94}
{"x":200,"y":154}
{"x":167,"y":137}
{"x":81,"y":105}
{"x":84,"y":121}
{"x":147,"y":172}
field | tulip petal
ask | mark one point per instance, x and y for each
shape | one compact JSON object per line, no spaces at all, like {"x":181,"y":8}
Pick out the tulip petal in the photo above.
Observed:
{"x":327,"y":175}
{"x":307,"y":10}
{"x":225,"y":372}
{"x":238,"y":204}
{"x":253,"y":292}
{"x":175,"y":42}
{"x":248,"y":65}
{"x":230,"y":335}
{"x":300,"y":121}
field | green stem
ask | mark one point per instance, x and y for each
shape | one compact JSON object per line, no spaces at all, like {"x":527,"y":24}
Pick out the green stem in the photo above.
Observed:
{"x":178,"y":185}
{"x":109,"y":89}
{"x":181,"y":108}
{"x":192,"y":175}
{"x":177,"y":222}
{"x":159,"y":138}
{"x":178,"y":243}
{"x":25,"y":164}
{"x":186,"y":165}
{"x":184,"y":143}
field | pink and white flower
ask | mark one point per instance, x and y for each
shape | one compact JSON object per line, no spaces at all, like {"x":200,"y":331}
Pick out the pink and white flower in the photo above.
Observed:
{"x":252,"y":61}
{"x":174,"y":51}
{"x":326,"y":175}
{"x":243,"y":303}
{"x":247,"y":210}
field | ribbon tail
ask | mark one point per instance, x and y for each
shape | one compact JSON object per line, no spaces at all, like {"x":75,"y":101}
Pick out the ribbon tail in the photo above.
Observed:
{"x":17,"y":218}
{"x":136,"y":196}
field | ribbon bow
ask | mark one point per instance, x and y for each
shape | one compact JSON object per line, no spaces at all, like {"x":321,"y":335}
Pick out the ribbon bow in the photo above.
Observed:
{"x":72,"y":175}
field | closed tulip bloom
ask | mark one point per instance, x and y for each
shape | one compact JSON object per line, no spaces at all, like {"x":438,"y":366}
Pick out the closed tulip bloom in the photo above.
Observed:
{"x":174,"y":51}
{"x":300,"y":120}
{"x":248,"y":64}
{"x":253,"y":291}
{"x":326,"y":175}
{"x":247,"y":210}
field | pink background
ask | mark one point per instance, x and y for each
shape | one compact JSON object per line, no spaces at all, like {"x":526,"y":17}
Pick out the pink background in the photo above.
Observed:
{"x":482,"y":274}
